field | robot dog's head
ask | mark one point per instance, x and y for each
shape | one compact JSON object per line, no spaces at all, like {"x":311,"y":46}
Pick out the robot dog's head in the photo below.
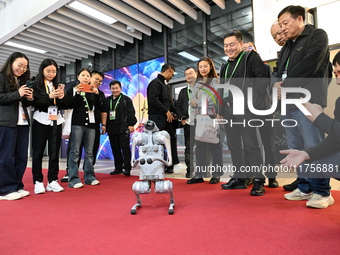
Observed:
{"x":151,"y":126}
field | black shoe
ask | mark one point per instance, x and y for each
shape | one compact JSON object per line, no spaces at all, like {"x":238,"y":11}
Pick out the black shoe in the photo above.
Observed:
{"x":65,"y":178}
{"x":292,"y":186}
{"x":187,"y":175}
{"x":214,"y":180}
{"x":195,"y":180}
{"x":126,"y":172}
{"x":169,"y":170}
{"x":115,"y":172}
{"x":249,"y":181}
{"x":272,"y":183}
{"x":234,"y":183}
{"x":258,"y":188}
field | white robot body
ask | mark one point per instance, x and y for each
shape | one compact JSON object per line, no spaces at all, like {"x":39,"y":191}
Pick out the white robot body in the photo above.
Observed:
{"x":150,"y":167}
{"x":152,"y":161}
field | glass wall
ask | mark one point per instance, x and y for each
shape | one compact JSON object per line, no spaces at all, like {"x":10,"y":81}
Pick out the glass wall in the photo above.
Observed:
{"x":125,"y":55}
{"x":104,"y":61}
{"x":187,"y":38}
{"x":151,"y":47}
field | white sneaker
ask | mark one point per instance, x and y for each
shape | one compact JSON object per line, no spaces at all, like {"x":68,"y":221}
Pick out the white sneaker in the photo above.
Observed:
{"x":11,"y":196}
{"x":298,"y":195}
{"x":78,"y":185}
{"x":54,"y":186}
{"x":318,"y":201}
{"x":95,"y":182}
{"x":39,"y":188}
{"x":24,"y":193}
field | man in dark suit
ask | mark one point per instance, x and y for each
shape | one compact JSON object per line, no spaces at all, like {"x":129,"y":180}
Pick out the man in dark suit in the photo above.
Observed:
{"x":186,"y":116}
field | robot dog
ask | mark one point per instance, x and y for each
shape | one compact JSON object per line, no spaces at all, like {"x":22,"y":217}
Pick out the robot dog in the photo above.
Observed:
{"x":152,"y":163}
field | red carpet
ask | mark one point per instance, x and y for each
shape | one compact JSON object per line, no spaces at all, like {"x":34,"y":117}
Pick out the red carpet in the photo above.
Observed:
{"x":207,"y":220}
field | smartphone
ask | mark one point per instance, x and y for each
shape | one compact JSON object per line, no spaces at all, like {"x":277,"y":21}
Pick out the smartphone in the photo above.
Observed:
{"x":30,"y":84}
{"x":85,"y":88}
{"x":61,"y":86}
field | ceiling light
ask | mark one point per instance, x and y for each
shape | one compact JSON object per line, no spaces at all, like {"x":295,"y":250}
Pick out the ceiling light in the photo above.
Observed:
{"x":188,"y":56}
{"x":20,"y":46}
{"x":92,"y":12}
{"x":130,"y":29}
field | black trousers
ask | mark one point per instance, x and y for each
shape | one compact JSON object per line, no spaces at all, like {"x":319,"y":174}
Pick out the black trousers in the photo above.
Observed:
{"x":267,"y":133}
{"x":189,"y":141}
{"x":40,"y":135}
{"x":96,"y":145}
{"x":162,"y":124}
{"x":13,"y":159}
{"x":241,"y":137}
{"x":120,"y":145}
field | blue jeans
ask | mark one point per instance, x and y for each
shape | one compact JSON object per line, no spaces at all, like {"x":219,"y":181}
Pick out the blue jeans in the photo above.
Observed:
{"x":80,"y":133}
{"x":13,"y":158}
{"x":300,"y":137}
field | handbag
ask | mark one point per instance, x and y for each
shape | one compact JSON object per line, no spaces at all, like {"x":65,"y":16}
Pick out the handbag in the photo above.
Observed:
{"x":66,"y":126}
{"x":205,"y":130}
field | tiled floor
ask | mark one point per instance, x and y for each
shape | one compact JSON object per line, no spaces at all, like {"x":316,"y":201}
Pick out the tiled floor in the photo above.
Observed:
{"x":106,"y":166}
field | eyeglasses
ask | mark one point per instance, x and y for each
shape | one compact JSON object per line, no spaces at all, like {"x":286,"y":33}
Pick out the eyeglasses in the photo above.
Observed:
{"x":98,"y":80}
{"x":21,"y":66}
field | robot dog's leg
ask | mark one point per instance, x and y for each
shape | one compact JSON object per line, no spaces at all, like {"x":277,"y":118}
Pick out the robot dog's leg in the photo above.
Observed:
{"x":139,"y":187}
{"x":172,"y":203}
{"x":166,"y":187}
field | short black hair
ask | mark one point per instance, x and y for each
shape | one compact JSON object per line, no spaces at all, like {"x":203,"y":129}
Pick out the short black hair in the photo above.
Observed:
{"x":97,"y":72}
{"x":114,"y":82}
{"x":294,"y":10}
{"x":251,"y":43}
{"x":235,"y":33}
{"x":336,"y":59}
{"x":190,"y":67}
{"x":167,"y":66}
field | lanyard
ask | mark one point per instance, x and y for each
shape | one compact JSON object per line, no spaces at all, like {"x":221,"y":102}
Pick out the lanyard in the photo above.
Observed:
{"x":86,"y":103}
{"x":48,"y":91}
{"x":238,"y":61}
{"x":287,"y":63}
{"x":116,"y":103}
{"x":188,"y":90}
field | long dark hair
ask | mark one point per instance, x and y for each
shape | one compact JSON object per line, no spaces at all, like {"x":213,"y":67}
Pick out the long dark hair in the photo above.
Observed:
{"x":212,"y":73}
{"x":40,"y":79}
{"x":81,"y":70}
{"x":8,"y":70}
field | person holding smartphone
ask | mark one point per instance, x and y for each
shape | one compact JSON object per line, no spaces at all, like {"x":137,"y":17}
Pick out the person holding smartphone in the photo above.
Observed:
{"x":83,"y":129}
{"x":49,"y":100}
{"x":15,"y":97}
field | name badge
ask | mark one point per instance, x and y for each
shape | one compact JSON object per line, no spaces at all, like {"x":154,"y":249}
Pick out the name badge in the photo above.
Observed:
{"x":284,"y":75}
{"x":112,"y":115}
{"x":23,"y":115}
{"x":52,"y":112}
{"x":225,"y":93}
{"x":91,"y":117}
